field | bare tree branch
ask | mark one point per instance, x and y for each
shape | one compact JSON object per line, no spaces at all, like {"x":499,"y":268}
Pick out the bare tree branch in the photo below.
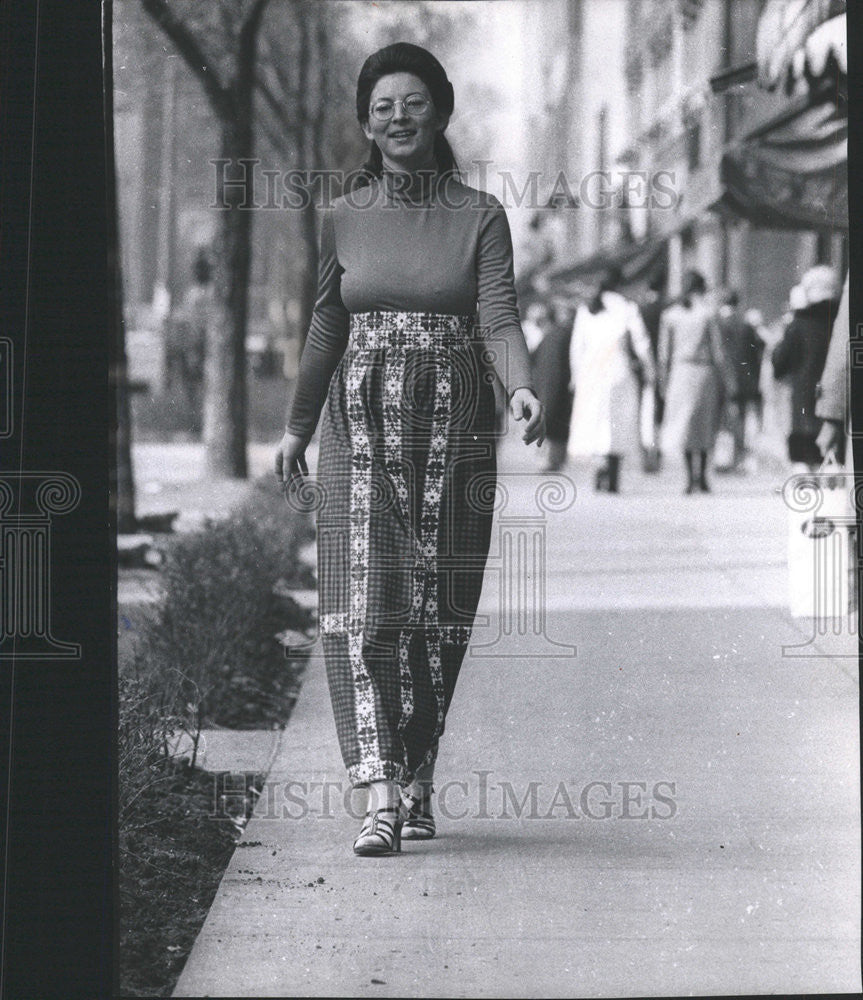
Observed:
{"x":275,"y":106}
{"x":275,"y":62}
{"x":273,"y":136}
{"x":277,"y":132}
{"x":248,"y":42}
{"x":193,"y":52}
{"x":230,"y":87}
{"x":319,"y":120}
{"x":308,"y":108}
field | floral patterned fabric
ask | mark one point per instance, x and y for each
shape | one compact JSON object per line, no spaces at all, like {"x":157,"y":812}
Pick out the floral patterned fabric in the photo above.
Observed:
{"x":407,"y":456}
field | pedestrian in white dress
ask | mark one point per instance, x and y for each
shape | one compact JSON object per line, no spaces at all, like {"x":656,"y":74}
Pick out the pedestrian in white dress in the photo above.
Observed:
{"x":610,"y":349}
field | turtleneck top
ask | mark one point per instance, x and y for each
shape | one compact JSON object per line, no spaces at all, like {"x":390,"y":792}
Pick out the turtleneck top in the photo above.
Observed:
{"x":410,"y":243}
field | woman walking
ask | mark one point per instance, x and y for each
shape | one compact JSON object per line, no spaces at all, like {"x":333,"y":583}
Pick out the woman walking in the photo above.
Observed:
{"x":396,"y":359}
{"x":609,"y":356}
{"x":693,"y":368}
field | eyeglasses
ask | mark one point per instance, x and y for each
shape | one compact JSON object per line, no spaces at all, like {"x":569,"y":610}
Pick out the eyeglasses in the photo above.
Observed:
{"x":414,"y":104}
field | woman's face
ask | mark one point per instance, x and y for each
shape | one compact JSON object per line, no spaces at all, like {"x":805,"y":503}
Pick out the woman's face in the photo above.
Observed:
{"x":406,"y":141}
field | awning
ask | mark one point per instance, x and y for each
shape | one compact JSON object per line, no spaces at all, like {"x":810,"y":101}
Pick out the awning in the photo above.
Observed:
{"x":636,"y":261}
{"x":800,"y":39}
{"x":793,"y":172}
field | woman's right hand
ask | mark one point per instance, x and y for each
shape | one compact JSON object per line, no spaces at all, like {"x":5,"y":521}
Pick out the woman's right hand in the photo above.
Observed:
{"x":290,"y":461}
{"x":524,"y":405}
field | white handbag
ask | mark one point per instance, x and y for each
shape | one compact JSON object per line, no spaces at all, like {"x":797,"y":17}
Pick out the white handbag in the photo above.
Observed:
{"x":822,"y":548}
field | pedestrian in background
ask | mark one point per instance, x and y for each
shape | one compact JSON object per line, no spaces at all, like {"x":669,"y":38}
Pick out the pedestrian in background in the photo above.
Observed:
{"x":755,"y":318}
{"x":187,"y":345}
{"x":796,"y":303}
{"x":833,"y":400}
{"x":609,"y":354}
{"x":535,"y":324}
{"x":693,"y":370}
{"x":744,"y":349}
{"x":799,"y":359}
{"x":551,"y":376}
{"x":652,"y":306}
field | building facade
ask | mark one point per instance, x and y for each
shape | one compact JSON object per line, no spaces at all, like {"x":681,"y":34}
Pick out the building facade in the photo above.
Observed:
{"x":678,"y":124}
{"x":639,"y":110}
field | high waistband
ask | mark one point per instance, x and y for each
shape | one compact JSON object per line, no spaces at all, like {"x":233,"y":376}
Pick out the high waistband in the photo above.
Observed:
{"x":428,"y":330}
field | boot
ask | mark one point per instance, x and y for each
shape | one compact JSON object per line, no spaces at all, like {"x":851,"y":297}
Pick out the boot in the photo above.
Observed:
{"x":690,"y":473}
{"x":600,"y":480}
{"x":702,"y":475}
{"x":613,"y":473}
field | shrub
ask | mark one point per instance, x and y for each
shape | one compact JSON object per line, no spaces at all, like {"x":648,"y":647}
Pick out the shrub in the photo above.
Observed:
{"x":206,"y":656}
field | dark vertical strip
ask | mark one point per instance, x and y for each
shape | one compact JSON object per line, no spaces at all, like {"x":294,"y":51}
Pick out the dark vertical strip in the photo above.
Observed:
{"x":855,"y":255}
{"x":54,"y":298}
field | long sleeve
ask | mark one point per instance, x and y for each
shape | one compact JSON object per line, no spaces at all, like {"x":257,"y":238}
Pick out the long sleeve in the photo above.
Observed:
{"x":326,"y":341}
{"x":832,"y":393}
{"x":498,"y":309}
{"x":666,"y":350}
{"x":641,"y":342}
{"x":788,"y":352}
{"x":721,"y":361}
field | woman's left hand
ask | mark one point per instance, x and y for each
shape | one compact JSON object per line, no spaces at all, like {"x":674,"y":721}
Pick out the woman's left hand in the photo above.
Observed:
{"x":525,"y":406}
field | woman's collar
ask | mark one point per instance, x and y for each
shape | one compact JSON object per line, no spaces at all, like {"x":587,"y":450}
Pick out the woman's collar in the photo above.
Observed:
{"x":416,"y":187}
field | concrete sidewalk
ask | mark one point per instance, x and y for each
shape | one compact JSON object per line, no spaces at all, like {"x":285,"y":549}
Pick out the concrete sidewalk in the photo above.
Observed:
{"x":170,"y":478}
{"x":673,"y":810}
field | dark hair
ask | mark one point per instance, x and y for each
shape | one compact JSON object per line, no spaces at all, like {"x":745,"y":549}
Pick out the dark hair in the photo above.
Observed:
{"x":609,"y":280}
{"x":693,"y":282}
{"x":403,"y":57}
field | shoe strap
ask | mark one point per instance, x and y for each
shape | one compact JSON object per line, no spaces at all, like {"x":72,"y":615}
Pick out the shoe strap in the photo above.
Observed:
{"x":416,"y":800}
{"x":377,"y":819}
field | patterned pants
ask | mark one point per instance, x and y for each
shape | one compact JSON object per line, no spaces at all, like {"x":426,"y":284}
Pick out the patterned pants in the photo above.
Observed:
{"x":407,"y":467}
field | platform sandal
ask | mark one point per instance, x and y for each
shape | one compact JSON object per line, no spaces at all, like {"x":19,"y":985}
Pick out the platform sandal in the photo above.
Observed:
{"x":419,"y":823}
{"x":381,"y":833}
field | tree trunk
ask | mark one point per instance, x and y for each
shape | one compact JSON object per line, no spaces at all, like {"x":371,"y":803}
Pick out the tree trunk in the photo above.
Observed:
{"x":314,"y":113}
{"x":225,"y":419}
{"x":165,"y":259}
{"x":225,"y":391}
{"x":124,"y":483}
